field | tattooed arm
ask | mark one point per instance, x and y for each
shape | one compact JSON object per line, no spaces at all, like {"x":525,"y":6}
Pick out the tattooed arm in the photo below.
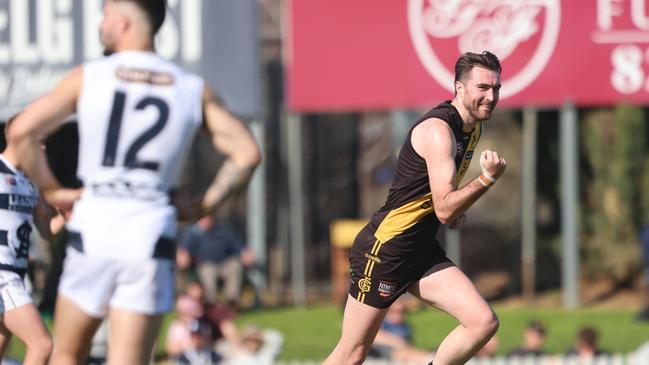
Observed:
{"x":231,"y":137}
{"x":229,"y":179}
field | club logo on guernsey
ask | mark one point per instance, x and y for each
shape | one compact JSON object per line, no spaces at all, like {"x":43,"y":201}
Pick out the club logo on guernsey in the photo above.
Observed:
{"x":523,"y":32}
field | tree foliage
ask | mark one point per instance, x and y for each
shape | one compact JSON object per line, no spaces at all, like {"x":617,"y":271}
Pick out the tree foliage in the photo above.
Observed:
{"x":617,"y":195}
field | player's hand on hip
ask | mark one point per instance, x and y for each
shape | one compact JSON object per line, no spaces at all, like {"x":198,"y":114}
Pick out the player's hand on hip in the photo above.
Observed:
{"x":62,"y":199}
{"x":188,"y":208}
{"x":492,"y":164}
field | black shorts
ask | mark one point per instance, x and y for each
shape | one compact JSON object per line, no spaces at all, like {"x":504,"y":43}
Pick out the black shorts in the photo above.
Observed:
{"x":382,"y":271}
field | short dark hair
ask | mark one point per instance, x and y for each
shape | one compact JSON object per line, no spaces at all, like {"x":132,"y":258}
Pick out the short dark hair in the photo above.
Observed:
{"x":537,"y":327}
{"x":588,"y":336}
{"x":155,"y":10}
{"x":468,"y":60}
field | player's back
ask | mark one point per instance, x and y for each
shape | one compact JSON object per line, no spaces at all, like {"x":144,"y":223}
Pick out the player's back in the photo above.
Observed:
{"x":137,"y":114}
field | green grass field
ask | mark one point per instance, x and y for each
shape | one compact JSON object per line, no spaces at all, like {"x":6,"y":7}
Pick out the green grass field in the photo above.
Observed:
{"x":311,"y":333}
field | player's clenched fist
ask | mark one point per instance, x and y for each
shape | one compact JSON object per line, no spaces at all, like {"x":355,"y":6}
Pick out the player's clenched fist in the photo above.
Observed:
{"x":493,"y":166}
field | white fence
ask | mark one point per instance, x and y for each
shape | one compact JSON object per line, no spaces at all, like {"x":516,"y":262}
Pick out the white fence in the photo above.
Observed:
{"x":637,"y":358}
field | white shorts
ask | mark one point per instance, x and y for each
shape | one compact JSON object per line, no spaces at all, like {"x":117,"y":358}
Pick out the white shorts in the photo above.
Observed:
{"x":94,"y":284}
{"x":13,"y":293}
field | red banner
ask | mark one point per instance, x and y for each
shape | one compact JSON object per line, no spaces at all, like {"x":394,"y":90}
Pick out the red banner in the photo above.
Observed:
{"x":383,"y":54}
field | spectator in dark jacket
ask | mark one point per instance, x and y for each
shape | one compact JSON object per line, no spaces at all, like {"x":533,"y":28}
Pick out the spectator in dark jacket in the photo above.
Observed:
{"x":218,"y":255}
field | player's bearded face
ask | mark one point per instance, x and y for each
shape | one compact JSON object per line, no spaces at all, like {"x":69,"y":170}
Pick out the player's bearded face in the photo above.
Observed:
{"x":108,"y":49}
{"x":481,"y":94}
{"x":479,"y":107}
{"x":105,"y":30}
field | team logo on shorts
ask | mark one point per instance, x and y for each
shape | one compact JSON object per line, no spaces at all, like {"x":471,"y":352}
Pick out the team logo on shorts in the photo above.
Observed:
{"x":365,"y":284}
{"x":523,"y":33}
{"x":386,"y":289}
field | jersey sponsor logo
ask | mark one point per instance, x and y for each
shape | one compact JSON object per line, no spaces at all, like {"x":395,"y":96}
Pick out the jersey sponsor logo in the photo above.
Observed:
{"x":386,"y":288}
{"x":138,"y":75}
{"x":18,"y":202}
{"x":524,"y":31}
{"x":122,"y":188}
{"x":365,"y":284}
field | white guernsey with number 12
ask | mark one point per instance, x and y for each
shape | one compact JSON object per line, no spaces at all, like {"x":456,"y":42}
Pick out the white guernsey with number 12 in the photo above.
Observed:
{"x":131,"y":151}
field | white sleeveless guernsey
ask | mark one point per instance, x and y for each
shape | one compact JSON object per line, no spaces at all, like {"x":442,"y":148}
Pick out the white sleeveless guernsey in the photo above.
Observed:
{"x":137,"y":115}
{"x":18,"y":198}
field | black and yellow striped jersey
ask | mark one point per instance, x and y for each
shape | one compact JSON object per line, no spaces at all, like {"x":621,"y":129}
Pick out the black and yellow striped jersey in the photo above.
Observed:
{"x":409,"y":209}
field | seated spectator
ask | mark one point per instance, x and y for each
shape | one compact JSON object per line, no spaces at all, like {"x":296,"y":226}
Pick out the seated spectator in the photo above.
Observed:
{"x":586,"y":345}
{"x":257,"y":347}
{"x":178,"y":334}
{"x":200,"y":350}
{"x":394,"y":339}
{"x":490,"y":348}
{"x":533,"y":341}
{"x":220,"y":316}
{"x":218,"y":255}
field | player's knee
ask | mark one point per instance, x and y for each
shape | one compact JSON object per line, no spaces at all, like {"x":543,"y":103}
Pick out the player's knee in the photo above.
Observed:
{"x":488,"y":324}
{"x":41,"y":347}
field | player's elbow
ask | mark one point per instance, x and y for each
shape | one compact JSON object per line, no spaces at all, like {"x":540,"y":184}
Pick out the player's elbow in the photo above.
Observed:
{"x":444,"y":217}
{"x":254,"y":158}
{"x":251,"y":157}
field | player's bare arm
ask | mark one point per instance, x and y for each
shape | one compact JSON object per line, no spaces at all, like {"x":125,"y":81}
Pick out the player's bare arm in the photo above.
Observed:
{"x":35,"y":123}
{"x":434,"y":141}
{"x":42,"y":215}
{"x":231,"y":137}
{"x":47,"y":220}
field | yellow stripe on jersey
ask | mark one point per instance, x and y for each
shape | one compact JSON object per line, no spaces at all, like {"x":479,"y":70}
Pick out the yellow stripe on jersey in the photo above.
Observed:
{"x":468,"y":154}
{"x":404,"y":217}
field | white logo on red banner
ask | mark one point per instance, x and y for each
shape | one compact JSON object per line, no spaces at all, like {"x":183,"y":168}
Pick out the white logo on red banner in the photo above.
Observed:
{"x":524,"y":31}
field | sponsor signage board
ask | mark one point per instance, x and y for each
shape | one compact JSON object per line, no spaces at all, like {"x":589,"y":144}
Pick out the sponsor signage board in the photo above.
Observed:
{"x":368,"y":54}
{"x":41,"y":40}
